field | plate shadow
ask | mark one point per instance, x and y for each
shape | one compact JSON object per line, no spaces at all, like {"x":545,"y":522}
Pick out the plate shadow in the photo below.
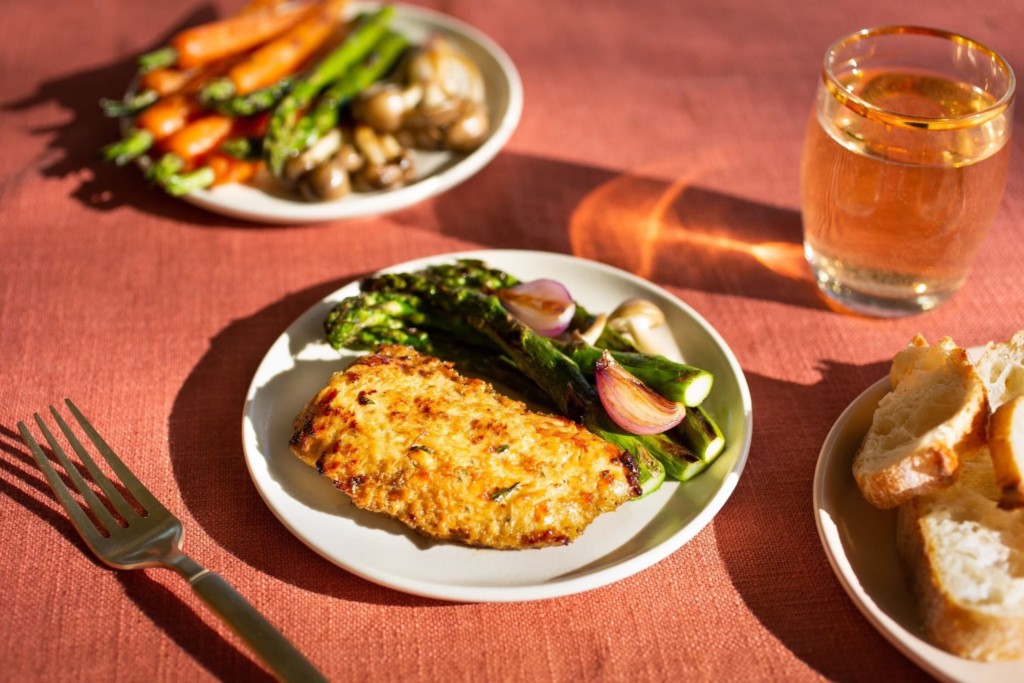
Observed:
{"x":207,"y":458}
{"x":633,"y":220}
{"x":772,"y":552}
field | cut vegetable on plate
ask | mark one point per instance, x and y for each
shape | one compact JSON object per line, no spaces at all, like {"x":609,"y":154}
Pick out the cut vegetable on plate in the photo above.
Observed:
{"x":377,"y":105}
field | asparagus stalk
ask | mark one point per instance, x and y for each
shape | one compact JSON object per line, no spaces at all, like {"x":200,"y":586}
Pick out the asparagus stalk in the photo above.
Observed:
{"x":216,"y":96}
{"x":384,"y":315}
{"x":360,"y":41}
{"x":675,"y":381}
{"x":325,"y":115}
{"x":701,"y":433}
{"x":476,"y":274}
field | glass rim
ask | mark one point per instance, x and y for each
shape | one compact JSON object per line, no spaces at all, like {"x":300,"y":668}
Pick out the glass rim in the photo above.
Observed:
{"x":869,"y":110}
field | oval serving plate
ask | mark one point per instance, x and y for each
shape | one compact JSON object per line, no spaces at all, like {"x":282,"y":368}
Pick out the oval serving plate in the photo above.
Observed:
{"x":379,"y":549}
{"x":437,"y":172}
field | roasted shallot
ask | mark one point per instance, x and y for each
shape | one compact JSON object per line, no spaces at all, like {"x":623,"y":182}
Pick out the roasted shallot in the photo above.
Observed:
{"x":544,"y":305}
{"x":630,"y":403}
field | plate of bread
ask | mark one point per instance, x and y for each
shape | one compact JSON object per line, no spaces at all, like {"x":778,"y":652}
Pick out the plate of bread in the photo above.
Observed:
{"x":919,"y":504}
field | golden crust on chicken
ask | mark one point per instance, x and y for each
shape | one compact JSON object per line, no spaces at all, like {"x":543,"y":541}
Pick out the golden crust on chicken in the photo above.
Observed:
{"x":404,"y":434}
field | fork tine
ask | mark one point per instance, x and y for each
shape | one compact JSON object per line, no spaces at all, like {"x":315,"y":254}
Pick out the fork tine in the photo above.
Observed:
{"x":123,"y":507}
{"x":146,"y":499}
{"x":85,"y":526}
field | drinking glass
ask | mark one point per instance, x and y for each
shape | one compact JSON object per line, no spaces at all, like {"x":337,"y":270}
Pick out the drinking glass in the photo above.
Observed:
{"x":904,"y":165}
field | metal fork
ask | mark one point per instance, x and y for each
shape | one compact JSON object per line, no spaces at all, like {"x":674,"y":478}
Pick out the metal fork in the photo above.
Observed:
{"x":153,"y":539}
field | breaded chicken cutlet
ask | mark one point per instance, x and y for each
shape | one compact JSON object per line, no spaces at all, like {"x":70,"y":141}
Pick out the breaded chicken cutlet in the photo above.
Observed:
{"x":404,"y":434}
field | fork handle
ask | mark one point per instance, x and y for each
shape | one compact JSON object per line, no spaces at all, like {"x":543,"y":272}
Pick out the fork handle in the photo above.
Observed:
{"x":283,"y":659}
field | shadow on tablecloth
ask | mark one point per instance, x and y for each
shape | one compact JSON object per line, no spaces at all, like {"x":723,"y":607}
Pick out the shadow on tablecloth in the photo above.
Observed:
{"x":162,"y":606}
{"x":73,"y":141}
{"x":680,"y":225}
{"x":209,"y":465}
{"x":767,"y":537}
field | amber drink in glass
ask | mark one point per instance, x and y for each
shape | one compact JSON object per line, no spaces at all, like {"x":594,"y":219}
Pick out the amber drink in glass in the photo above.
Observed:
{"x":904,"y":165}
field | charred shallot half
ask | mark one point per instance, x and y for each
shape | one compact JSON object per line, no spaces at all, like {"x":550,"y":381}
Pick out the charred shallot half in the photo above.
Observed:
{"x":543,"y":305}
{"x":630,"y":403}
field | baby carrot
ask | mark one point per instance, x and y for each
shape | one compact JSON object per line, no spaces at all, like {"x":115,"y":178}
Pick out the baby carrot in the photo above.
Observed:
{"x":219,"y":39}
{"x":199,"y":137}
{"x":166,"y":80}
{"x":228,"y":169}
{"x":285,"y":54}
{"x":167,"y":116}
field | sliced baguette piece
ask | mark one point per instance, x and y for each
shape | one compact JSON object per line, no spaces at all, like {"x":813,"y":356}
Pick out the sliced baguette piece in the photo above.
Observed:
{"x":1006,"y":444}
{"x":1001,"y":368}
{"x":965,"y":560}
{"x":935,"y":415}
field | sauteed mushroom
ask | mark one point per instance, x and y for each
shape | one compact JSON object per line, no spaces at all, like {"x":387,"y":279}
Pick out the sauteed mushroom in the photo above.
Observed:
{"x":321,"y":151}
{"x":388,"y":164}
{"x":330,"y":177}
{"x":451,"y":112}
{"x":468,"y":131}
{"x":384,"y":106}
{"x":329,"y":180}
{"x":637,"y":317}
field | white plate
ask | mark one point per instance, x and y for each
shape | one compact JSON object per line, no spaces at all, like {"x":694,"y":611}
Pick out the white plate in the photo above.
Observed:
{"x":437,"y":172}
{"x":860,"y":542}
{"x":382,"y":550}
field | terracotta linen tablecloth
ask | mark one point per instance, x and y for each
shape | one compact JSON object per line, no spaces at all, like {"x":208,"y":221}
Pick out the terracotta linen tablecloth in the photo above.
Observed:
{"x":660,"y":137}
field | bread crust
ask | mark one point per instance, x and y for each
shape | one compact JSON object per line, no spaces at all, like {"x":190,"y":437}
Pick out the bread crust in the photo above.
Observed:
{"x":966,"y":630}
{"x":894,"y":464}
{"x":1006,"y":444}
{"x":1001,"y":368}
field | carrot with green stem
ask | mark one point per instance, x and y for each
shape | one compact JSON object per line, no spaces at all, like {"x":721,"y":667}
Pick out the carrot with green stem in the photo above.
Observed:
{"x":226,"y":37}
{"x":180,"y":170}
{"x":169,"y":80}
{"x":230,"y":169}
{"x":199,"y":137}
{"x":279,"y":58}
{"x":152,"y":86}
{"x":157,"y":122}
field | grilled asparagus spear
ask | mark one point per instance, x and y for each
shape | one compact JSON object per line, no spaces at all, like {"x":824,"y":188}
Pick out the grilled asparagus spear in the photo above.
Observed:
{"x":280,"y":131}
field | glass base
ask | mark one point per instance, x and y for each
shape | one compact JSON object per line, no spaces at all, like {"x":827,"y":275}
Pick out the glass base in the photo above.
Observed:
{"x":849,"y":300}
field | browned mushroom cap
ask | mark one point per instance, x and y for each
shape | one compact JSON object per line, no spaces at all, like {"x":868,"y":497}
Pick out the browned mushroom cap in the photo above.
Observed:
{"x":327,"y":181}
{"x":350,"y":158}
{"x":445,"y":73}
{"x":383,"y":107}
{"x":442,"y":113}
{"x":637,"y":317}
{"x":322,"y":150}
{"x":469,"y":131}
{"x":394,"y":173}
{"x":426,"y":137}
